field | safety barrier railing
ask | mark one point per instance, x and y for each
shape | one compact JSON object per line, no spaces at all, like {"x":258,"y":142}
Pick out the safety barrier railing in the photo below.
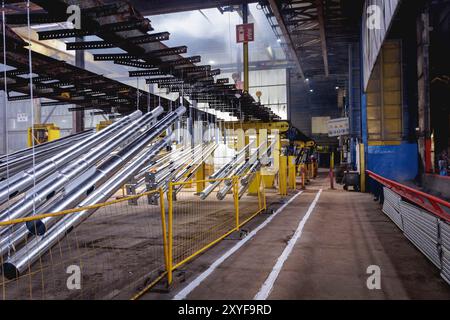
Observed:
{"x":435,"y":205}
{"x":196,"y":224}
{"x":130,"y":244}
{"x":118,"y":251}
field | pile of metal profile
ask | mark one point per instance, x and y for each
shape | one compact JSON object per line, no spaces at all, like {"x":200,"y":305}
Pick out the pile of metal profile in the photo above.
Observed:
{"x":422,"y":229}
{"x":445,"y":242}
{"x":391,"y":207}
{"x":88,"y":173}
{"x":14,"y":162}
{"x":121,"y":26}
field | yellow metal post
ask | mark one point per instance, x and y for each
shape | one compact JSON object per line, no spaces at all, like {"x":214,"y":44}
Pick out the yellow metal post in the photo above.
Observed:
{"x":164,"y":229}
{"x":263,"y":192}
{"x":276,"y":151}
{"x":253,"y":188}
{"x":332,"y":170}
{"x":200,"y":177}
{"x":282,"y":176}
{"x":292,"y":173}
{"x":362,"y":165}
{"x":236,"y":200}
{"x":245,"y":51}
{"x":170,"y":235}
{"x":303,"y":175}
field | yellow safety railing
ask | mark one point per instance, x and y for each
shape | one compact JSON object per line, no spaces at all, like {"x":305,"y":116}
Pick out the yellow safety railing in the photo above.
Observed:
{"x":120,"y":250}
{"x":195,"y":225}
{"x":130,"y":244}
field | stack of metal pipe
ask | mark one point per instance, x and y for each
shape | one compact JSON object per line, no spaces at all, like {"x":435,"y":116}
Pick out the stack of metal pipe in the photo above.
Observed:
{"x":15,"y":162}
{"x":181,"y":169}
{"x":238,"y":166}
{"x":82,"y":182}
{"x":226,"y":171}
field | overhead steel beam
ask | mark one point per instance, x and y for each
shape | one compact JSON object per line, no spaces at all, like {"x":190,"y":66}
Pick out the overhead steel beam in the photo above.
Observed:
{"x":323,"y":38}
{"x":286,"y":35}
{"x":156,"y":7}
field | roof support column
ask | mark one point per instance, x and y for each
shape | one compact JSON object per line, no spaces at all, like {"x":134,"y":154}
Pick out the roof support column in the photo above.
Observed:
{"x":78,"y":116}
{"x":246,"y":67}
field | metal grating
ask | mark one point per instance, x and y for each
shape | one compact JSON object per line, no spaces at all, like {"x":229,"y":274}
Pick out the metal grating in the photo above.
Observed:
{"x":426,"y":222}
{"x":422,"y":229}
{"x":445,"y":271}
{"x":393,"y":198}
{"x":393,"y":214}
{"x":445,"y":235}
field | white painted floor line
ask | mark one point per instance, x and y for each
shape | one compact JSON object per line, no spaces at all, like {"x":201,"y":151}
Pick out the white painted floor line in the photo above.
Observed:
{"x":197,"y":281}
{"x":267,"y":286}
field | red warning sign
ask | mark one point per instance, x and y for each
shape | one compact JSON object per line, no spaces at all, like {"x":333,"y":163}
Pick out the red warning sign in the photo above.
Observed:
{"x":245,"y":33}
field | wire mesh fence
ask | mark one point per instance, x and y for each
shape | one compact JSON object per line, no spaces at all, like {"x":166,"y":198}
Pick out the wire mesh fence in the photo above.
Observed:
{"x":113,"y":254}
{"x":253,"y":201}
{"x":197,"y":221}
{"x":129,"y":244}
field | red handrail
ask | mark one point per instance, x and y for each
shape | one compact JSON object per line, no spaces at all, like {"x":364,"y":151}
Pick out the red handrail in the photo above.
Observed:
{"x":435,"y":205}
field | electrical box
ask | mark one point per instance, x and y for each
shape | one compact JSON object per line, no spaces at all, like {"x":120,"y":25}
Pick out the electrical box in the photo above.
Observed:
{"x":103,"y":124}
{"x":43,"y":133}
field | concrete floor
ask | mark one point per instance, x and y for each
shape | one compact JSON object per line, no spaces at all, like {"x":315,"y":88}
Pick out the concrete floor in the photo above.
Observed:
{"x":346,"y":233}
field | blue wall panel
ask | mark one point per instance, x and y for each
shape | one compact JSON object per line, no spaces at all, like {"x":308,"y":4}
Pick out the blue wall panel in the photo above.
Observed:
{"x":399,"y":163}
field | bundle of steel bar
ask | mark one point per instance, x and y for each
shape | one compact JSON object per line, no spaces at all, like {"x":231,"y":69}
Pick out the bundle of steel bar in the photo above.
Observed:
{"x":181,"y":170}
{"x":226,"y":171}
{"x":94,"y":186}
{"x":20,"y":160}
{"x":24,"y":180}
{"x":250,"y":175}
{"x":236,"y":167}
{"x":159,"y":168}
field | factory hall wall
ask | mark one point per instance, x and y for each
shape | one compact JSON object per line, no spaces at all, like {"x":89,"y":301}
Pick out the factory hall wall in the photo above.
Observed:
{"x":308,"y":111}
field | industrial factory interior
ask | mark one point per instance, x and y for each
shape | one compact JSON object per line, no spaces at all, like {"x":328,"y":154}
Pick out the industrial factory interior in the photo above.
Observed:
{"x":213,"y":150}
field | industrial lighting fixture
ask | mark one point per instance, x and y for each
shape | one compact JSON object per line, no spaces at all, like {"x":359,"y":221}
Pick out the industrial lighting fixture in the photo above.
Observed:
{"x":307,"y":80}
{"x":311,"y":90}
{"x":337,"y":88}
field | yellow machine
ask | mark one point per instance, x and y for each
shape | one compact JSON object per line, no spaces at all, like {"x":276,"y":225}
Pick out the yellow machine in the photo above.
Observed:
{"x":43,"y":133}
{"x":103,"y":124}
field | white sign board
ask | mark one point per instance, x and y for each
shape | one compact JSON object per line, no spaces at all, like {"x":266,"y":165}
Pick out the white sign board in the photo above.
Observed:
{"x":22,"y":117}
{"x":338,"y":127}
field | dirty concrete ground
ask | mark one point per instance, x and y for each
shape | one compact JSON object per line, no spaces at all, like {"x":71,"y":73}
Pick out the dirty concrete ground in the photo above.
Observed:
{"x":346,"y":233}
